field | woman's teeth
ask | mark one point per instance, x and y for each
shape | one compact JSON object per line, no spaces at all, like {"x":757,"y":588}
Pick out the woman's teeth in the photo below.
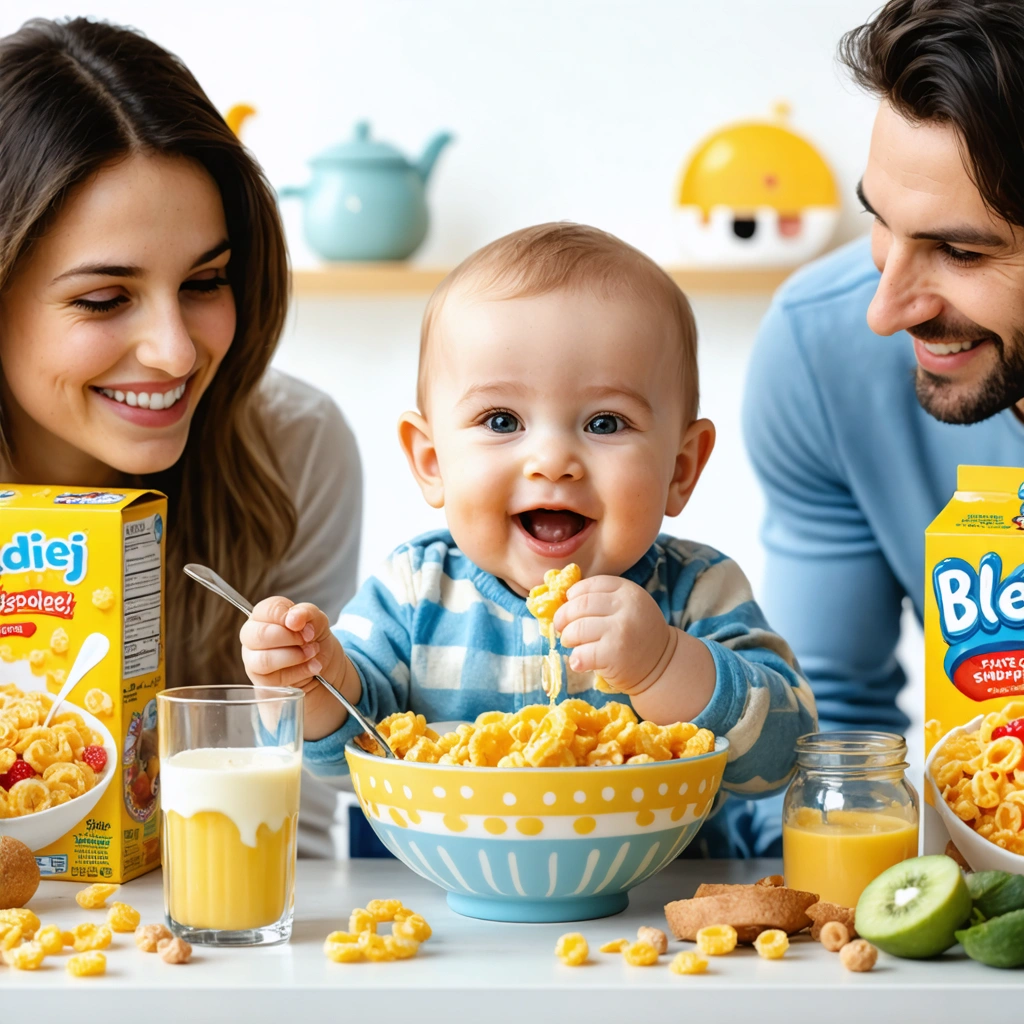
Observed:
{"x":937,"y":348}
{"x":155,"y":400}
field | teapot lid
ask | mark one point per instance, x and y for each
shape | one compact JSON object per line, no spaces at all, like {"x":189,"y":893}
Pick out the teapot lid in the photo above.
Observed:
{"x":361,"y":149}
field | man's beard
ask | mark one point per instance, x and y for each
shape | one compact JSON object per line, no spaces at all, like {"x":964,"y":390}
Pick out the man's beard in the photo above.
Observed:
{"x":1001,"y":389}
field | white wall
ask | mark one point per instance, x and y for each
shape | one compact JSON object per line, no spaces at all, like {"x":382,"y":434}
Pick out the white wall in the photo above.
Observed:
{"x":578,"y":109}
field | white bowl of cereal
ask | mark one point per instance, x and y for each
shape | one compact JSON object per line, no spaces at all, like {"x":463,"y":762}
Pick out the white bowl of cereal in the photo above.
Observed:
{"x":38,"y":829}
{"x":950,"y":779}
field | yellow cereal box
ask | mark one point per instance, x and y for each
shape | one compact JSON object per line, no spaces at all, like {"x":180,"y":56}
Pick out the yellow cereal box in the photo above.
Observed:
{"x":81,"y":583}
{"x":974,"y":671}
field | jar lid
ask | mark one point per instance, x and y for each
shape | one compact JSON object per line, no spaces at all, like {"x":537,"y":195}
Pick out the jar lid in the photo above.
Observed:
{"x":851,"y":749}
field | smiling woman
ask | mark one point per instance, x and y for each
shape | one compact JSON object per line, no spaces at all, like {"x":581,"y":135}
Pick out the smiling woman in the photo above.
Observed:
{"x":143,"y":288}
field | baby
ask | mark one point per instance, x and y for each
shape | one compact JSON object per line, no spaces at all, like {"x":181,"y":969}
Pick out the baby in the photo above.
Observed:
{"x":557,"y":423}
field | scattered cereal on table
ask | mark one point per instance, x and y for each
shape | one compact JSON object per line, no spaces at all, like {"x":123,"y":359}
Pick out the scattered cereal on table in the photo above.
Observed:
{"x":688,"y":963}
{"x":95,"y":896}
{"x":655,"y":936}
{"x":858,"y":955}
{"x":772,"y":944}
{"x":174,"y":951}
{"x":834,"y":935}
{"x":716,"y":939}
{"x":384,"y":910}
{"x":413,"y":927}
{"x":51,"y":939}
{"x":147,"y":936}
{"x":123,"y":918}
{"x":572,"y":949}
{"x":400,"y":947}
{"x":28,"y":956}
{"x":91,"y":936}
{"x":360,"y":921}
{"x":10,"y":935}
{"x":615,"y":946}
{"x":22,"y":917}
{"x":87,"y":965}
{"x":361,"y":941}
{"x":640,"y":954}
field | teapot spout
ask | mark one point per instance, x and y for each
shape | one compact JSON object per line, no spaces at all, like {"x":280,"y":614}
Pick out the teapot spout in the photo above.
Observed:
{"x":426,"y":162}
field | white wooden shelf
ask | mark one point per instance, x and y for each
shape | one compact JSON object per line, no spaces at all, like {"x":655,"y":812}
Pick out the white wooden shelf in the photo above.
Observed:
{"x":379,"y":279}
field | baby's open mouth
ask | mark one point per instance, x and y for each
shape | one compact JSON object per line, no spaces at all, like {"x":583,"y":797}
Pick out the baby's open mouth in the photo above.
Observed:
{"x":552,"y":525}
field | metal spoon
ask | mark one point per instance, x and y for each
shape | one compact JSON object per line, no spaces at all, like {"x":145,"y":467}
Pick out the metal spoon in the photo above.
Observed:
{"x":209,"y":579}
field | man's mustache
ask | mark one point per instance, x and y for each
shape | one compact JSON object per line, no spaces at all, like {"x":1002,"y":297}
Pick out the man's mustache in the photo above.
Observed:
{"x":950,"y":332}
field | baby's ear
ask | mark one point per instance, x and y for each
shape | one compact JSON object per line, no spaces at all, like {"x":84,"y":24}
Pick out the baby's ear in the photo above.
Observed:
{"x":418,"y":444}
{"x":695,"y":449}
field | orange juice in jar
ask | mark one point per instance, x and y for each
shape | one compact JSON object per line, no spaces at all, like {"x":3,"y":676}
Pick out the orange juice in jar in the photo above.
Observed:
{"x":849,"y":814}
{"x":231,"y":766}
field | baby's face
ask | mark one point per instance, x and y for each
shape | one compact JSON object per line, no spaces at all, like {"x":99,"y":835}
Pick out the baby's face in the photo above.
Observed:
{"x":556,"y":422}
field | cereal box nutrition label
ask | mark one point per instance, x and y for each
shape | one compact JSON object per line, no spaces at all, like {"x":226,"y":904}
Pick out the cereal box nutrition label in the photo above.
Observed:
{"x":142,"y":595}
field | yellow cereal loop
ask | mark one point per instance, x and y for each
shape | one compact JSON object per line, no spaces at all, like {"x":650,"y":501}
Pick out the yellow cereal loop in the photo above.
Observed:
{"x":383,"y":910}
{"x":716,"y":940}
{"x":7,"y":758}
{"x":51,"y":939}
{"x":37,"y":658}
{"x":87,"y":965}
{"x":400,"y":948}
{"x":10,"y":935}
{"x":90,"y":936}
{"x":67,"y":938}
{"x":360,"y":921}
{"x":343,"y":952}
{"x":26,"y":957}
{"x":23,"y":917}
{"x":772,"y":944}
{"x":95,"y":896}
{"x":103,"y":599}
{"x":688,"y":963}
{"x":413,"y":927}
{"x":98,"y":703}
{"x":373,"y":946}
{"x":615,"y":946}
{"x":572,"y":949}
{"x":123,"y":918}
{"x":640,"y":954}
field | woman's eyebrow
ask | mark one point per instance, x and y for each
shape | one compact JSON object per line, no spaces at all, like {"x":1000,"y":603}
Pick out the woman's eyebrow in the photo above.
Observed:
{"x":116,"y":270}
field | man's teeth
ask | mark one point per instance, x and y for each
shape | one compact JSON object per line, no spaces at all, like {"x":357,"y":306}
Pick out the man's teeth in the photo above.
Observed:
{"x":937,"y":348}
{"x":155,"y":400}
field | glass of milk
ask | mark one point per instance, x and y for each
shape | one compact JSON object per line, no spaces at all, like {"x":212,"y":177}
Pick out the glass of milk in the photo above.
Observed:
{"x":230,"y":767}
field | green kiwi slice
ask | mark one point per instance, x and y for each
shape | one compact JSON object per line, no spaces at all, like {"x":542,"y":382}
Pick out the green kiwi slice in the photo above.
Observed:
{"x":913,"y":908}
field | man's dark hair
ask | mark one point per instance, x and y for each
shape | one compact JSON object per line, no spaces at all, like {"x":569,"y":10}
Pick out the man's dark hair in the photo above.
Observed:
{"x":958,"y":62}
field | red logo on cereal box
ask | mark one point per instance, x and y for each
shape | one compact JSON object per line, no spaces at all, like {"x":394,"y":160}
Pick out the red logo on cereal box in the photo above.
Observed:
{"x":17,"y":629}
{"x":59,"y":603}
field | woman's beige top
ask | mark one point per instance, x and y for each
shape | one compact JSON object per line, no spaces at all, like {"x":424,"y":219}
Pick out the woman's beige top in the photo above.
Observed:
{"x":318,"y":457}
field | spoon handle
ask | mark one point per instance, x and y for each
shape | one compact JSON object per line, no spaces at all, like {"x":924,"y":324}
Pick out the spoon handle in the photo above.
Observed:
{"x":212,"y":581}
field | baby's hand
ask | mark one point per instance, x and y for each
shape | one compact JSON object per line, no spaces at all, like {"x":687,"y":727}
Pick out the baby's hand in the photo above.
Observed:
{"x":286,"y":644}
{"x":616,"y":629}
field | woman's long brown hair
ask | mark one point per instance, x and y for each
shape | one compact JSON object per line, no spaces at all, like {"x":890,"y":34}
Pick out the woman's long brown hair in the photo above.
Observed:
{"x":75,"y":95}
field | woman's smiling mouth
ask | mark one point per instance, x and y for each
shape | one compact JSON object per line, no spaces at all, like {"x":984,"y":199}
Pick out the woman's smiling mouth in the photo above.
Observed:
{"x":554,"y":532}
{"x":147,"y":405}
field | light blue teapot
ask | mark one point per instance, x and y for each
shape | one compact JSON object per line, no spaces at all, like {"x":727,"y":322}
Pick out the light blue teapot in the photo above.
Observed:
{"x":366,"y":201}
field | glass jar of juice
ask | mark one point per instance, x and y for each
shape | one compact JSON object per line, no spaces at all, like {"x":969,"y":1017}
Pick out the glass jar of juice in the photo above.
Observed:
{"x":849,"y":814}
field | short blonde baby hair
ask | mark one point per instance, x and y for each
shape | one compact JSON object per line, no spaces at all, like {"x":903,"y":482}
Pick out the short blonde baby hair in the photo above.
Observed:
{"x":548,"y":257}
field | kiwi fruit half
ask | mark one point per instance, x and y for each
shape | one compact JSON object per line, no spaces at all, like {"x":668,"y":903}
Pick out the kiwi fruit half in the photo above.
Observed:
{"x":914,"y":908}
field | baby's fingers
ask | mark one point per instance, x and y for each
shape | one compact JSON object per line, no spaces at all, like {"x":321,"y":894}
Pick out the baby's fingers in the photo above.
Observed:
{"x":589,"y":602}
{"x":292,"y":664}
{"x":308,"y":620}
{"x":583,"y":631}
{"x":585,"y":658}
{"x":264,"y":636}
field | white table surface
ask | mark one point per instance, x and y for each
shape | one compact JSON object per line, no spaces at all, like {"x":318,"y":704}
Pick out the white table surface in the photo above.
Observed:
{"x":476,"y":970}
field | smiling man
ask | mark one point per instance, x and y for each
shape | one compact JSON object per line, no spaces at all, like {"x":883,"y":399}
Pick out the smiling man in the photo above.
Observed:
{"x":882,"y":367}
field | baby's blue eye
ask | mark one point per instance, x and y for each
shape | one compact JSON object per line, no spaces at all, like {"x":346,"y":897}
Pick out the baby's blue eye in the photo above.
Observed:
{"x":502,"y":423}
{"x":606,"y":423}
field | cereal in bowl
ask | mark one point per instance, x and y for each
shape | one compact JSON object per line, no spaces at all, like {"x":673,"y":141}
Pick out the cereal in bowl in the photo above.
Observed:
{"x":571,"y":734}
{"x":980,"y":775}
{"x":44,"y":766}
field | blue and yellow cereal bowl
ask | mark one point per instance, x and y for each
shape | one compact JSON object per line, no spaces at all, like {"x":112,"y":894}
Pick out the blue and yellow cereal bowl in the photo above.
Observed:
{"x":537,"y":844}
